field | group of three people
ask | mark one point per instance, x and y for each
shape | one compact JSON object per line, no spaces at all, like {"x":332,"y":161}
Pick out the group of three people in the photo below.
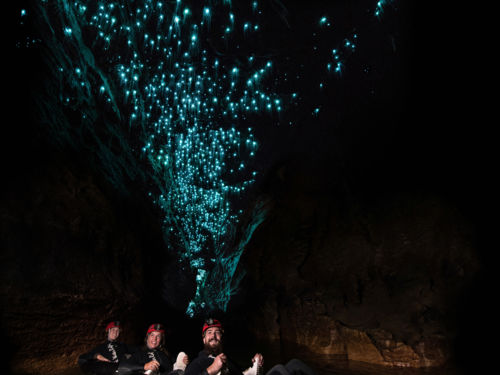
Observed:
{"x":114,"y":357}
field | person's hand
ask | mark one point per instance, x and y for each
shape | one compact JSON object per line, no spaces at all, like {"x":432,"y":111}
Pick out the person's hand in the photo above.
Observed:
{"x":258,"y":357}
{"x":185,"y":360}
{"x":101,"y":358}
{"x":215,"y":367}
{"x":153,"y":365}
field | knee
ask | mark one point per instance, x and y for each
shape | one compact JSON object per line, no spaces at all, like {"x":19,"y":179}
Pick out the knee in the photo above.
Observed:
{"x":296,"y":366}
{"x":278,"y":370}
{"x":294,"y":362}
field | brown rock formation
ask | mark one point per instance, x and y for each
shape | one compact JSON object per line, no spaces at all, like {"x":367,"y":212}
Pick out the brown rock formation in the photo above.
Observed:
{"x":73,"y":258}
{"x":375,"y":280}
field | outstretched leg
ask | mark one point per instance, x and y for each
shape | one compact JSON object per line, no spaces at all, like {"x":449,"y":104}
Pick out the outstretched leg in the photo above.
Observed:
{"x":278,"y":370}
{"x":297,"y":367}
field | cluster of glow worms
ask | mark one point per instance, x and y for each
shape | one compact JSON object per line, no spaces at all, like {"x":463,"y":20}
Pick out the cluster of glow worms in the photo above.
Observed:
{"x":190,"y":104}
{"x":381,"y":5}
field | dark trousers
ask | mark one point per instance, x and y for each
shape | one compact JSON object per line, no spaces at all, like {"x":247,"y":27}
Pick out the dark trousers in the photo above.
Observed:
{"x":293,"y":367}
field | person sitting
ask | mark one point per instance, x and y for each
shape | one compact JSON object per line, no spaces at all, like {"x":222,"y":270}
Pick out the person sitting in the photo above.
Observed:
{"x":152,"y":358}
{"x":212,"y":360}
{"x":105,"y":358}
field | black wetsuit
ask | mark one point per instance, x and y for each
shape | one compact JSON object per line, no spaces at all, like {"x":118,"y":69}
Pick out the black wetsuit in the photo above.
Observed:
{"x":114,"y":351}
{"x":199,"y":366}
{"x":141,"y":357}
{"x":204,"y":360}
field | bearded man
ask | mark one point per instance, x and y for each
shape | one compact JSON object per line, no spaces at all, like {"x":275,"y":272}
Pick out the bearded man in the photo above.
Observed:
{"x":212,"y":360}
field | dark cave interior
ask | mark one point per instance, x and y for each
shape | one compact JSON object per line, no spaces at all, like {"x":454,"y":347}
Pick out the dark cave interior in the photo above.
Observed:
{"x":373,"y":249}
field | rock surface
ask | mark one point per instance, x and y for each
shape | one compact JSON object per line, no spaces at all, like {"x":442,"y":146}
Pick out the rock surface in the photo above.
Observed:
{"x":374,"y":280}
{"x":73,"y":257}
{"x":328,"y":275}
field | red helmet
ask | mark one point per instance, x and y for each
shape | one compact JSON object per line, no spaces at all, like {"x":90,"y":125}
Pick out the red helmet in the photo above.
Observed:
{"x":209,"y":323}
{"x":113,"y":324}
{"x":155,"y":328}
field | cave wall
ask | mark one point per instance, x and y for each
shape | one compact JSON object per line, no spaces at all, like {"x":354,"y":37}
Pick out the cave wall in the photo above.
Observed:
{"x":336,"y":276}
{"x":339,"y":275}
{"x":75,"y":254}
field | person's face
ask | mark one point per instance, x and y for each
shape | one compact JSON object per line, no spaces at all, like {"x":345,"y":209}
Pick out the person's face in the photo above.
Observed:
{"x":154,"y":340}
{"x":113,"y":333}
{"x":212,"y":337}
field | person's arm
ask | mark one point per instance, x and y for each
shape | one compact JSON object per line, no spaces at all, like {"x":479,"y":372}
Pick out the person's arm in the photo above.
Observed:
{"x":217,"y":364}
{"x":90,"y":355}
{"x":101,"y":358}
{"x":140,"y":360}
{"x":153,"y":366}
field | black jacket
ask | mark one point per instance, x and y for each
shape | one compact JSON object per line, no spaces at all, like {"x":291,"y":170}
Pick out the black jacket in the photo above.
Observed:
{"x":116,"y":352}
{"x":200,"y":364}
{"x":141,"y":357}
